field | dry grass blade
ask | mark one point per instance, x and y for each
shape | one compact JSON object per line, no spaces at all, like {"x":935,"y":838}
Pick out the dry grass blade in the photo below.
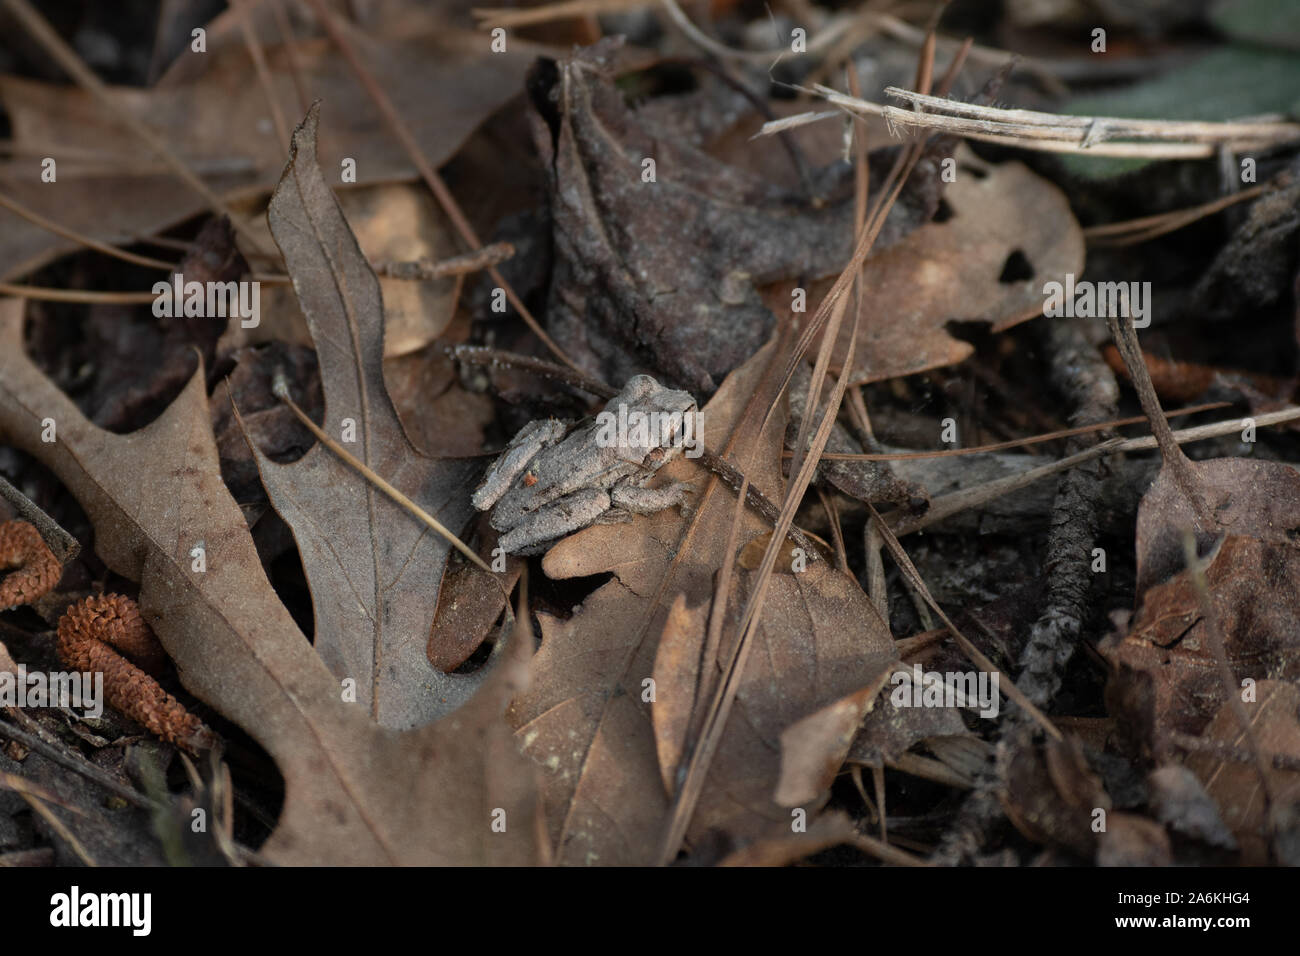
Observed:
{"x":1016,"y":442}
{"x":255,"y":53}
{"x":50,"y":225}
{"x":43,"y":294}
{"x":946,"y":506}
{"x":831,"y":313}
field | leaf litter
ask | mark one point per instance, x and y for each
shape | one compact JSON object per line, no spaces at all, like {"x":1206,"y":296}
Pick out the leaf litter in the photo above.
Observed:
{"x":708,"y":678}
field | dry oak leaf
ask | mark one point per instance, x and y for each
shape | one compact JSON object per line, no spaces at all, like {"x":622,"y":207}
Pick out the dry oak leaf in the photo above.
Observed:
{"x":443,"y":82}
{"x":374,"y":571}
{"x":355,"y":793}
{"x":964,"y":268}
{"x":1164,"y":678}
{"x":1167,"y":678}
{"x":1237,"y":788}
{"x":393,"y":222}
{"x":585,"y":719}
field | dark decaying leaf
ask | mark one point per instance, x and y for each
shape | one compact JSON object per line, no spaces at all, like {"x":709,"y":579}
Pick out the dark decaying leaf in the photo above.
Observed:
{"x":659,"y":276}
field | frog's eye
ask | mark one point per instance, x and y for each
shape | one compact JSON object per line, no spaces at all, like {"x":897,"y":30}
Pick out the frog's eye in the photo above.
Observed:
{"x":654,"y":457}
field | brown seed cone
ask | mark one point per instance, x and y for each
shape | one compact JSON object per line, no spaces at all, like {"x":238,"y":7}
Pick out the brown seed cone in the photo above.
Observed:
{"x":115,"y":619}
{"x":35,"y":569}
{"x":85,"y":632}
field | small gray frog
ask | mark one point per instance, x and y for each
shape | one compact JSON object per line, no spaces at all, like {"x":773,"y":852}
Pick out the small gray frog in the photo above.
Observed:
{"x":555,"y":478}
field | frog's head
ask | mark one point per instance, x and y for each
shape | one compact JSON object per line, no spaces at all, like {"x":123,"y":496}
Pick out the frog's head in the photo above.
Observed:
{"x":649,"y":425}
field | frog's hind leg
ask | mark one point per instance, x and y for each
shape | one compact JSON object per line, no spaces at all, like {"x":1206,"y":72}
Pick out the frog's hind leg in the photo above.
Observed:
{"x":647,"y":501}
{"x":523,"y":448}
{"x":571,"y":513}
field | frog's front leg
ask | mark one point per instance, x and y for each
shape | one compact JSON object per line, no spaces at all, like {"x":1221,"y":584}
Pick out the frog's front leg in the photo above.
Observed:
{"x":523,"y":448}
{"x":631,"y":497}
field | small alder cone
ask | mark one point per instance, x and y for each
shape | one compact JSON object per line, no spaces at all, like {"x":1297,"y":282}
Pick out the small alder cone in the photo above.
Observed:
{"x":88,"y":633}
{"x":34,"y":568}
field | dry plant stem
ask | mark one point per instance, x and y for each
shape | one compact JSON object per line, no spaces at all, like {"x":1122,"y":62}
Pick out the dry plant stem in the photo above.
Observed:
{"x":1200,"y":140}
{"x":1132,"y":231}
{"x":281,"y":392}
{"x":946,"y":506}
{"x":760,"y":502}
{"x":1096,"y":128}
{"x":41,"y":31}
{"x":285,"y":29}
{"x":243,"y":12}
{"x":495,"y":358}
{"x":706,"y":43}
{"x":1121,"y":329}
{"x":50,"y":225}
{"x":1079,"y":372}
{"x":60,"y":828}
{"x":837,"y":532}
{"x":431,"y":179}
{"x":1017,"y":442}
{"x":76,"y":295}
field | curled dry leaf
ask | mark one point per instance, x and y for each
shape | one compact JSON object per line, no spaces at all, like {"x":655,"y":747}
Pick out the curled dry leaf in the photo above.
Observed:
{"x":355,"y":793}
{"x":608,"y":751}
{"x":374,"y":569}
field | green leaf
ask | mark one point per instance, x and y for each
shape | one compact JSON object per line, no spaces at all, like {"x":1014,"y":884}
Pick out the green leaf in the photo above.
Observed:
{"x":1228,"y":84}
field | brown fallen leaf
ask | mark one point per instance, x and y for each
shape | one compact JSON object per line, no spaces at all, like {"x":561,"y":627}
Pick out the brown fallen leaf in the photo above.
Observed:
{"x":608,"y":751}
{"x":355,"y":793}
{"x":1186,"y":650}
{"x":109,"y":187}
{"x":1053,"y":797}
{"x":954,"y":270}
{"x":374,"y":571}
{"x":392,"y":222}
{"x":1237,"y":787}
{"x":1167,"y":677}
